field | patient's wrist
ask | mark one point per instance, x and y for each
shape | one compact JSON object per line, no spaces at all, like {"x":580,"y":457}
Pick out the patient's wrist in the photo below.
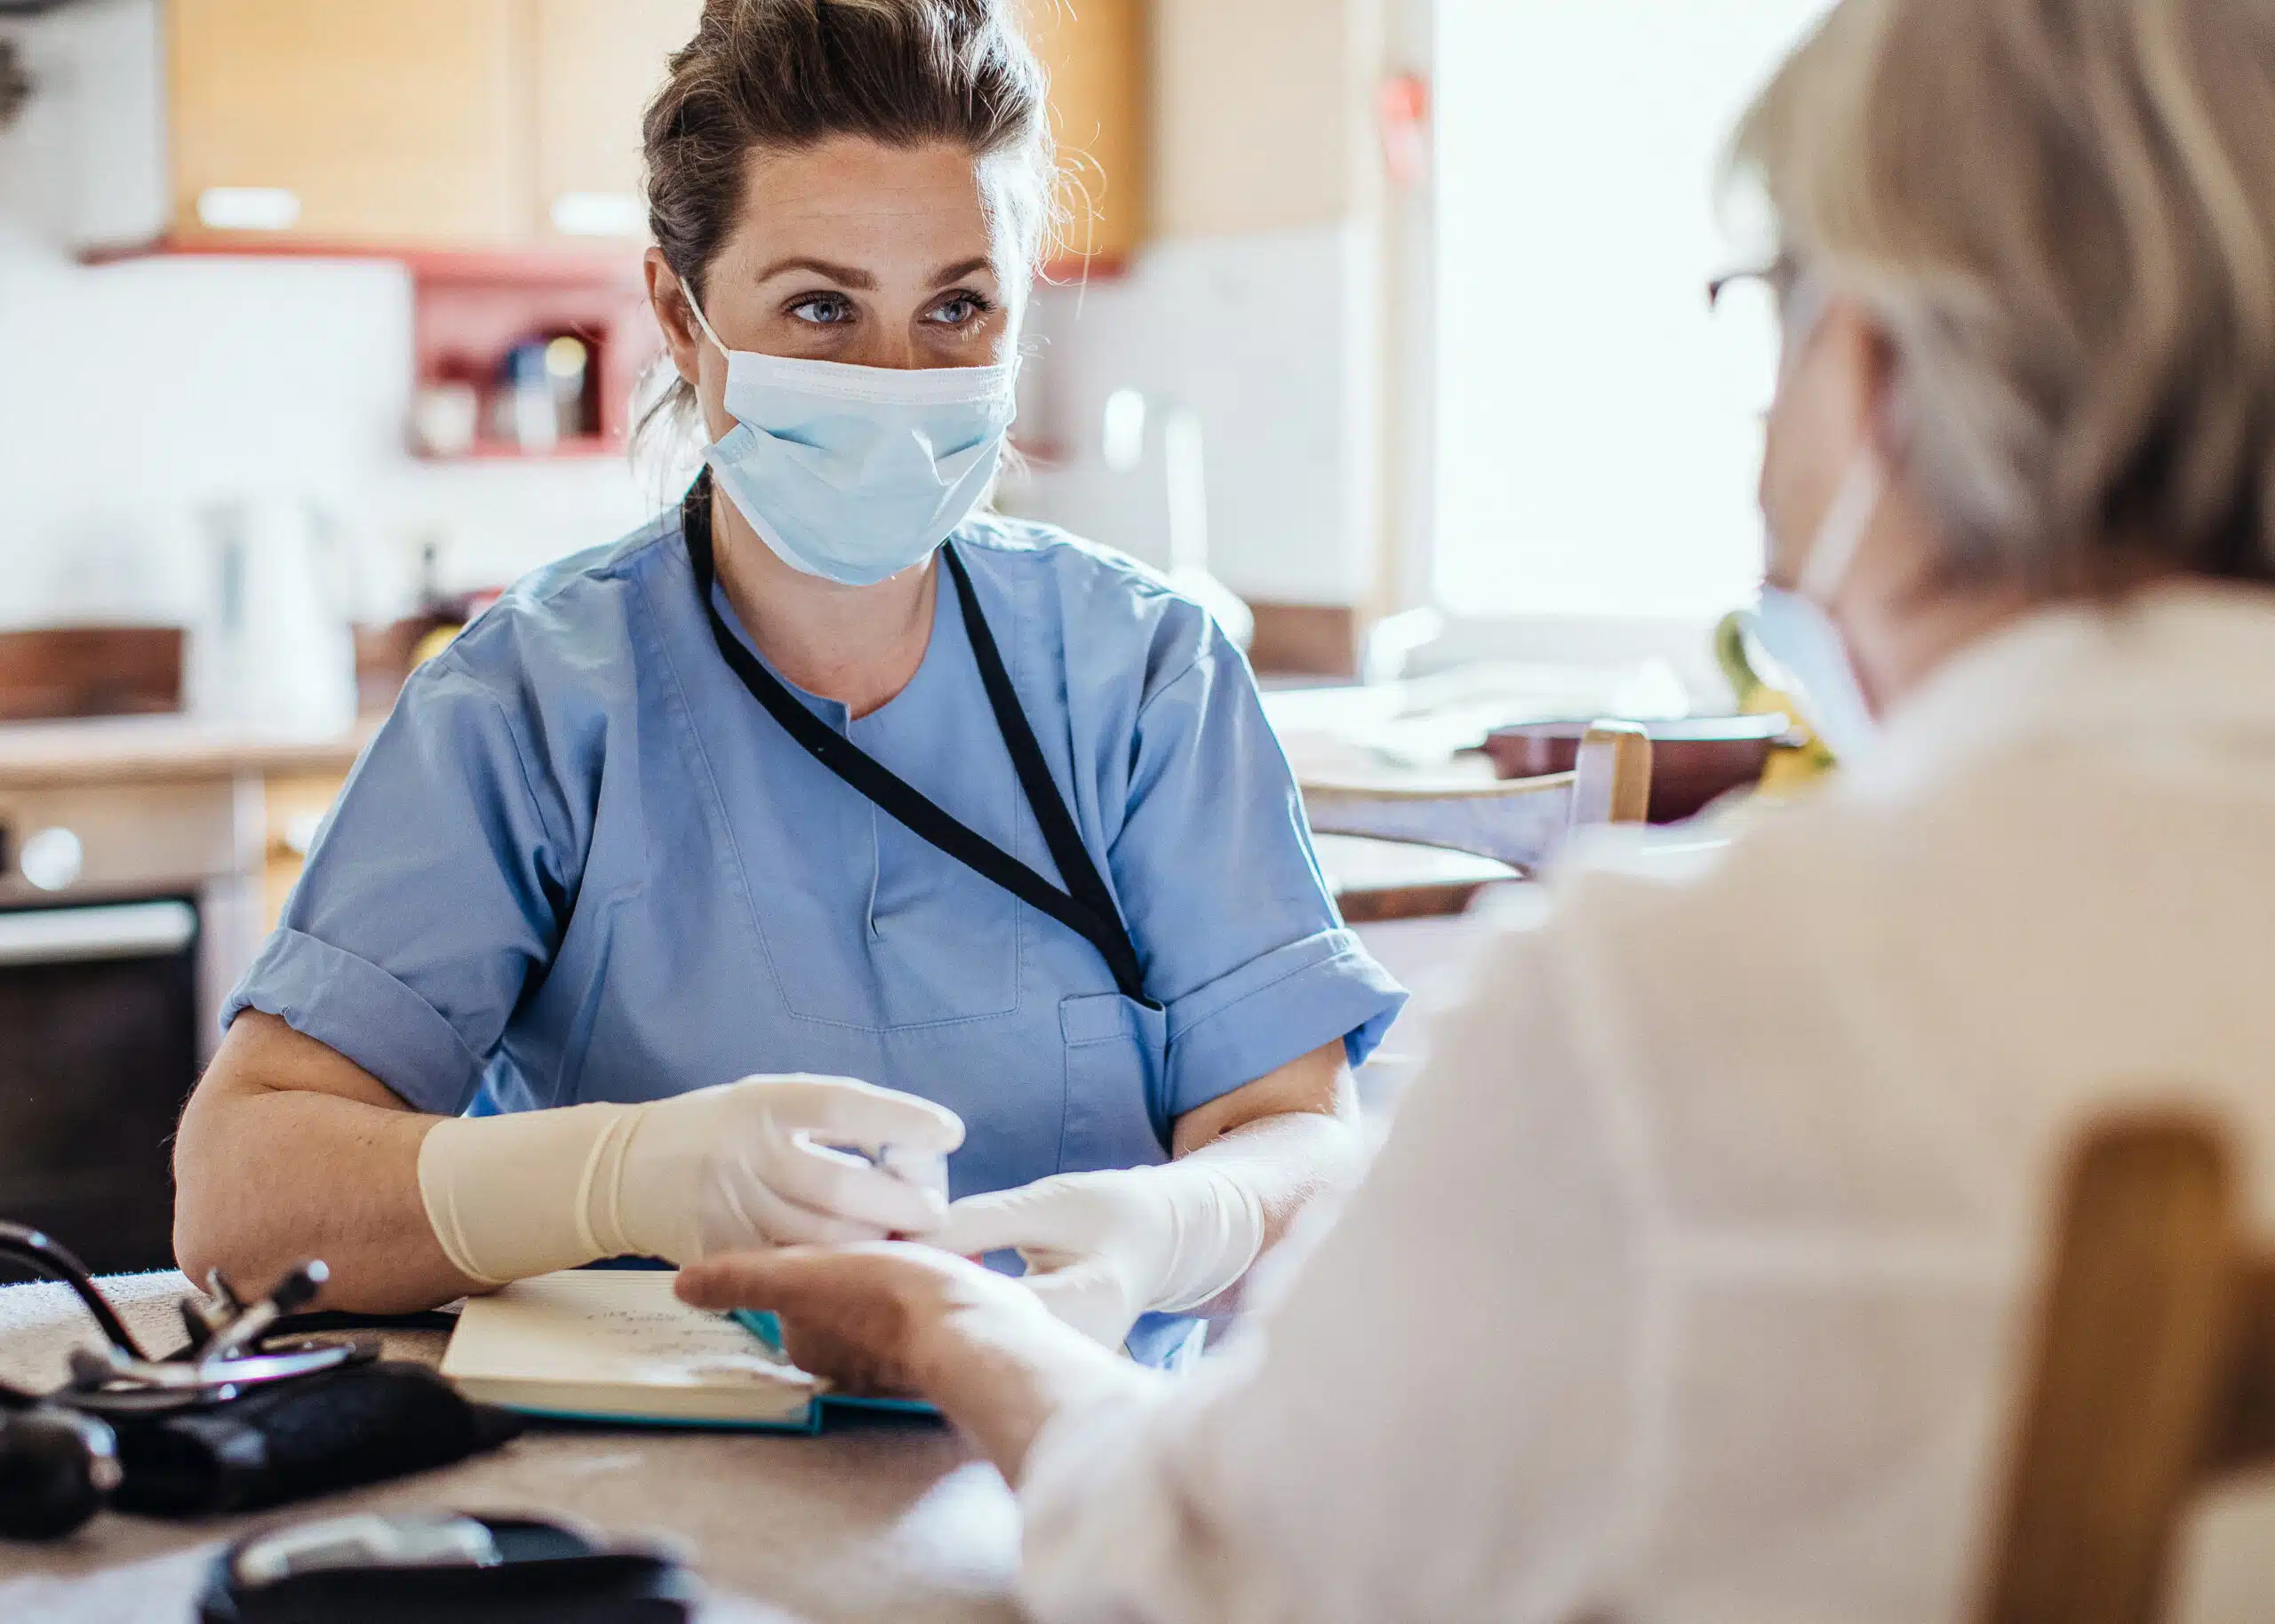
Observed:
{"x":1003,"y":1373}
{"x":968,"y":1319}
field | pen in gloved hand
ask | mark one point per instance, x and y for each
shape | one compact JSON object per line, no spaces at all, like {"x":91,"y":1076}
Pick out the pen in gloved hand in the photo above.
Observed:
{"x":925,"y":1169}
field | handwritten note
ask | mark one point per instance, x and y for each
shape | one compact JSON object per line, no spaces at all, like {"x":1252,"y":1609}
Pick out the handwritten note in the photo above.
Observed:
{"x":613,"y":1341}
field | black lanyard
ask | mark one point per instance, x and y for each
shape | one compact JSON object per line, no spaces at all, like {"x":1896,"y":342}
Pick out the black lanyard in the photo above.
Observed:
{"x":1086,"y":907}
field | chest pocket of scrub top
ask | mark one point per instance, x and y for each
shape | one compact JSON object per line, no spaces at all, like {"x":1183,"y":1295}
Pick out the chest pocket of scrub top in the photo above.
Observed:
{"x":1117,"y":1063}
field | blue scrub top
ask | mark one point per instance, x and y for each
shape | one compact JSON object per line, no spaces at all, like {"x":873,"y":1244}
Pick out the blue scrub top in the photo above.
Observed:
{"x":579,"y":863}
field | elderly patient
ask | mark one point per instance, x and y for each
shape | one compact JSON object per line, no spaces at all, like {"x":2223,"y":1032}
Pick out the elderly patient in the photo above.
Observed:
{"x":1688,"y":1285}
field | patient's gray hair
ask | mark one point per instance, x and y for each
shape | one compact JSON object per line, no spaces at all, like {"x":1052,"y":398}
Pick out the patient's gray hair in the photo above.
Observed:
{"x":2063,"y":213}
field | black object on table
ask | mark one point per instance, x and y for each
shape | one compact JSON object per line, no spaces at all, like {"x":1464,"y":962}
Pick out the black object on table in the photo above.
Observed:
{"x":232,"y":1421}
{"x":373,"y":1569}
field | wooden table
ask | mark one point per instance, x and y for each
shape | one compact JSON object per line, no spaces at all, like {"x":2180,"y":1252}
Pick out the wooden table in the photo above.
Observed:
{"x":145,"y":748}
{"x":879,"y":1520}
{"x":1374,"y":879}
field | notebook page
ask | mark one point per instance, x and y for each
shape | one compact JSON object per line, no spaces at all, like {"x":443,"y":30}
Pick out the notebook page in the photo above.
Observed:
{"x":603,"y":1338}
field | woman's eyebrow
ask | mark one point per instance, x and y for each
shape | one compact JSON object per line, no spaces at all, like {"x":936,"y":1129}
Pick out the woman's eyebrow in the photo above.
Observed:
{"x":957,"y":272}
{"x":848,"y":275}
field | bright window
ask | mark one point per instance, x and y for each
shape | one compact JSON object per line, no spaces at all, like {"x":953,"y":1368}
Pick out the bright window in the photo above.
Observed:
{"x":1598,"y":434}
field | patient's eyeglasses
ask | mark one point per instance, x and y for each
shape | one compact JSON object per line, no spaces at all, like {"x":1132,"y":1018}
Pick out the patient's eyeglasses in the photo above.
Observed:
{"x":1780,"y":276}
{"x":1750,"y":310}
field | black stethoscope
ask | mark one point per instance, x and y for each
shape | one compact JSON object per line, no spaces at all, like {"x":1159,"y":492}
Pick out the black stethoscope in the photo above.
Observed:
{"x":58,"y":1454}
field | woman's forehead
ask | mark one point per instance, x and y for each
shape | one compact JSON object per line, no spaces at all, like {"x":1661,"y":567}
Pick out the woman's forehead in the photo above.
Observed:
{"x":900,"y":212}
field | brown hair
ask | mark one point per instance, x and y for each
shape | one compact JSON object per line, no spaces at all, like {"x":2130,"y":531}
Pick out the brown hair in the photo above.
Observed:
{"x":787,"y":74}
{"x":2063,"y":213}
{"x":15,"y":84}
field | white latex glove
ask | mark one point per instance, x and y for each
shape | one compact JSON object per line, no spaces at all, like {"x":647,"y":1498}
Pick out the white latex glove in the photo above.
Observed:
{"x":746,"y":1164}
{"x":1102,"y":1248}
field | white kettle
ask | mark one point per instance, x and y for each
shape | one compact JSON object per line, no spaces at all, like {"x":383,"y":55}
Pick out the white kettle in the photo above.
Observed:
{"x":273,"y":649}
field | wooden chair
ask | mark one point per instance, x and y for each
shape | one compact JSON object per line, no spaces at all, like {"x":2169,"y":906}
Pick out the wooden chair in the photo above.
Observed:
{"x":2153,"y":1377}
{"x":1521,"y":822}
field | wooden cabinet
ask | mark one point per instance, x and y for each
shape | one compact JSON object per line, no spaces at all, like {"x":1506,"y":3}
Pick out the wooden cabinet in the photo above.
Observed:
{"x":489,"y":124}
{"x":596,"y":64}
{"x":293,"y":804}
{"x":416,"y":123}
{"x":1097,"y":54}
{"x":340,"y":120}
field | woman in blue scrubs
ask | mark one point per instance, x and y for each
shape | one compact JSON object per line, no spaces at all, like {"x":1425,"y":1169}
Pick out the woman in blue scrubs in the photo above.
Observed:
{"x":927,"y":825}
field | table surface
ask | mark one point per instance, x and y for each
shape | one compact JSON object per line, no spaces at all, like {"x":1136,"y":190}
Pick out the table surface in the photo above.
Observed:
{"x":1359,"y":862}
{"x":879,"y":1519}
{"x":130,"y":748}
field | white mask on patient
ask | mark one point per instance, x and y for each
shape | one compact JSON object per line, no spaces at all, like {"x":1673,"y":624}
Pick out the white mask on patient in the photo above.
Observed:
{"x":1793,"y":628}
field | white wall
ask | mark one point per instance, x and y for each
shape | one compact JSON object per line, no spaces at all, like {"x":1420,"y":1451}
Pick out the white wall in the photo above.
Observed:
{"x":1255,"y":334}
{"x":135,"y":393}
{"x":1258,"y":304}
{"x":132,"y":395}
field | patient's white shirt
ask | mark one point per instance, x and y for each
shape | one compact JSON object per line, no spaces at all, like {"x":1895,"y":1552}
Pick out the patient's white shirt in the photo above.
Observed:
{"x":1691,"y":1281}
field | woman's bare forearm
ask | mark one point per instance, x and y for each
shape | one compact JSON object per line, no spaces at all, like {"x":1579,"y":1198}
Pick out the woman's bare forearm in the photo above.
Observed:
{"x":1304,"y":1142}
{"x":288,"y":1151}
{"x":1288,"y":1161}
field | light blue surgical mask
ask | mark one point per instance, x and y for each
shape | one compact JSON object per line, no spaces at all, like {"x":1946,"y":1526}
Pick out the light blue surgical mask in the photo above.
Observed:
{"x":1793,"y":629}
{"x":854,"y":473}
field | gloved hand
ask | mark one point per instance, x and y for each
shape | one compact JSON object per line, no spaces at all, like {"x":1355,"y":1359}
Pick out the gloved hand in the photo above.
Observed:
{"x":744,"y":1164}
{"x":1102,"y":1248}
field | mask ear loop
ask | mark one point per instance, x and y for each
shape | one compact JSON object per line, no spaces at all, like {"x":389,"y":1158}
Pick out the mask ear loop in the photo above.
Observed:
{"x":1862,"y":487}
{"x":1846,"y":524}
{"x":696,"y":310}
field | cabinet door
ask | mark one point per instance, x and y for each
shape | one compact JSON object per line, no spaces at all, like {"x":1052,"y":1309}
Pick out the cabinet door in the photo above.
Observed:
{"x":1096,"y":52}
{"x":596,"y":64}
{"x":344,"y":121}
{"x":294,"y":806}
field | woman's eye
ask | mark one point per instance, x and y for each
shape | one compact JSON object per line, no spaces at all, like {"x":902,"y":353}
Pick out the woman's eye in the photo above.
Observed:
{"x":823,"y":310}
{"x":959,"y":309}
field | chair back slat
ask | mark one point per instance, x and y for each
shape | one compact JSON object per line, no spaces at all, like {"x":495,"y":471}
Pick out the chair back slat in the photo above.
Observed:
{"x":2246,"y":1439}
{"x":2130,"y":1381}
{"x":1521,"y":822}
{"x":1614,"y":774}
{"x":1520,"y":828}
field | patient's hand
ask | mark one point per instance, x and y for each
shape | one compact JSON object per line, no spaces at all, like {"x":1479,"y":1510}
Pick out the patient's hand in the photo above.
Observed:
{"x":872,"y":1318}
{"x":897,"y":1318}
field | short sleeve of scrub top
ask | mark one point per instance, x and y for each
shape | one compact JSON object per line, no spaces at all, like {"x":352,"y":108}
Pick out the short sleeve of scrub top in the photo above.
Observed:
{"x":579,"y":863}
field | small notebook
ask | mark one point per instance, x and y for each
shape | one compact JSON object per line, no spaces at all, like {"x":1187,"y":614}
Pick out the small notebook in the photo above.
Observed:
{"x":615,"y":1345}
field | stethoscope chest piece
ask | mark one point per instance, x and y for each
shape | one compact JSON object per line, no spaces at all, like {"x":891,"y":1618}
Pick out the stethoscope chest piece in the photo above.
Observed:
{"x":59,"y":1452}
